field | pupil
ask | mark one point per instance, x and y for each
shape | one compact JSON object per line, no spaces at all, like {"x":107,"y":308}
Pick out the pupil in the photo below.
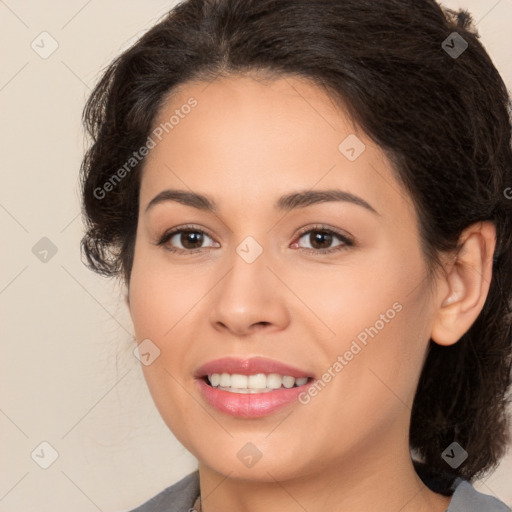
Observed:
{"x":189,"y":238}
{"x":320,"y":237}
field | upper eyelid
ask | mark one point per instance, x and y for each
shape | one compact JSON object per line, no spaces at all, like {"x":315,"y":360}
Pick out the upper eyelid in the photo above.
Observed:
{"x":327,"y":229}
{"x":180,"y":229}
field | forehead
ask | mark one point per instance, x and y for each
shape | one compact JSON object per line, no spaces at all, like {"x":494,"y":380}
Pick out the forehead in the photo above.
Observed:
{"x":247,"y":140}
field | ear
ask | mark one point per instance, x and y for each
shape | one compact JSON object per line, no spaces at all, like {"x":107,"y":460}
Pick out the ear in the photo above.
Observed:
{"x":463,"y":288}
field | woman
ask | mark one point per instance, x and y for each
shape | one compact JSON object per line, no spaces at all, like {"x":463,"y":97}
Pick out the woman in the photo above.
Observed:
{"x":307,"y":202}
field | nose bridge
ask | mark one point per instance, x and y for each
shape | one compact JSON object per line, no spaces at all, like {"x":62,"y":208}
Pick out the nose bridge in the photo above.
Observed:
{"x":248,"y":270}
{"x":250,"y":250}
{"x":249,"y":293}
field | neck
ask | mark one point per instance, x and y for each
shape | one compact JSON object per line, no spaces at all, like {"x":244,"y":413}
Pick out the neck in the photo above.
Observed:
{"x":380,"y":481}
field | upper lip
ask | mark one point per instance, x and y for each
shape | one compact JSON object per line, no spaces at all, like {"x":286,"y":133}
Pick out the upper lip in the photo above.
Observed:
{"x":249,"y":366}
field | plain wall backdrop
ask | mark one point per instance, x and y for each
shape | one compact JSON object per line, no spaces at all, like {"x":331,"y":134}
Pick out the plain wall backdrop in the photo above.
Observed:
{"x":68,"y":374}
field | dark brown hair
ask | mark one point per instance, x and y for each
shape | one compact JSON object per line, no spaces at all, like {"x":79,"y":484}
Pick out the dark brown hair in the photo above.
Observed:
{"x":443,"y":119}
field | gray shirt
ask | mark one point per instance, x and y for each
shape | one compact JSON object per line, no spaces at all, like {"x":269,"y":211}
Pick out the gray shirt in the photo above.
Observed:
{"x":180,"y":497}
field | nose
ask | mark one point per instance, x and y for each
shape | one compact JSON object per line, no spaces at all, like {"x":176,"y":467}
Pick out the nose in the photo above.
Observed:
{"x":249,"y":299}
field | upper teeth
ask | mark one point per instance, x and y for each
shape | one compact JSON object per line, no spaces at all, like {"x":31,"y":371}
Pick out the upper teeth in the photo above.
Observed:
{"x":259,"y":381}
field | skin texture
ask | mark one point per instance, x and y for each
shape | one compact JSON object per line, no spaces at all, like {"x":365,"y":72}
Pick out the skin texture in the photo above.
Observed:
{"x":245,"y":144}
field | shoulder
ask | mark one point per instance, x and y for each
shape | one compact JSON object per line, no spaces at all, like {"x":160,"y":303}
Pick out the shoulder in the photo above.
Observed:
{"x":179,"y":497}
{"x":467,"y":499}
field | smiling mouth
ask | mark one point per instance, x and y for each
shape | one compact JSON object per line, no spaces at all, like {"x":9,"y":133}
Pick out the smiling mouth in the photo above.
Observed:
{"x":256,"y":383}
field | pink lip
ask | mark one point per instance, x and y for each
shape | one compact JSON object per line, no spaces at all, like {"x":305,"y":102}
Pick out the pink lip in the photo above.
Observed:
{"x":249,"y":367}
{"x":253,"y":405}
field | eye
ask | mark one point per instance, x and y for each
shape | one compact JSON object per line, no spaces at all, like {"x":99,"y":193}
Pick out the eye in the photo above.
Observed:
{"x":186,"y":239}
{"x":321,"y":240}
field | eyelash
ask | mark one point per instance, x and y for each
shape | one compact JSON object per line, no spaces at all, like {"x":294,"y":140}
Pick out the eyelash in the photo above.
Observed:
{"x":346,"y":241}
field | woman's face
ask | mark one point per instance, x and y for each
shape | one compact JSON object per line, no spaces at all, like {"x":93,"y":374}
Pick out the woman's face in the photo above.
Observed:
{"x":333,"y":286}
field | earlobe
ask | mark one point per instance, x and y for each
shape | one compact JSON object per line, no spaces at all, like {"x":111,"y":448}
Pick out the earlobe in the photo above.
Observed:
{"x":463,"y":288}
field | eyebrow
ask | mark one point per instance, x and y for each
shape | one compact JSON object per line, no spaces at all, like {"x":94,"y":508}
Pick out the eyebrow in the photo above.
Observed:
{"x":287,"y":202}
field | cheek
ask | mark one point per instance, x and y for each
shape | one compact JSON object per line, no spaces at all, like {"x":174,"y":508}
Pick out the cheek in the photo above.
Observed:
{"x":164,"y":304}
{"x":161,"y":307}
{"x":380,"y":318}
{"x":161,"y":295}
{"x":382,"y":355}
{"x":347,"y":301}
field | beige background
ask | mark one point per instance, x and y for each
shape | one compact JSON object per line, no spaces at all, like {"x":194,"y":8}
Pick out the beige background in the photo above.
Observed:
{"x":68,"y":375}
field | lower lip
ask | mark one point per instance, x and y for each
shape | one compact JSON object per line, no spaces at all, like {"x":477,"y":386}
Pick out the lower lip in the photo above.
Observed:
{"x":250,"y":405}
